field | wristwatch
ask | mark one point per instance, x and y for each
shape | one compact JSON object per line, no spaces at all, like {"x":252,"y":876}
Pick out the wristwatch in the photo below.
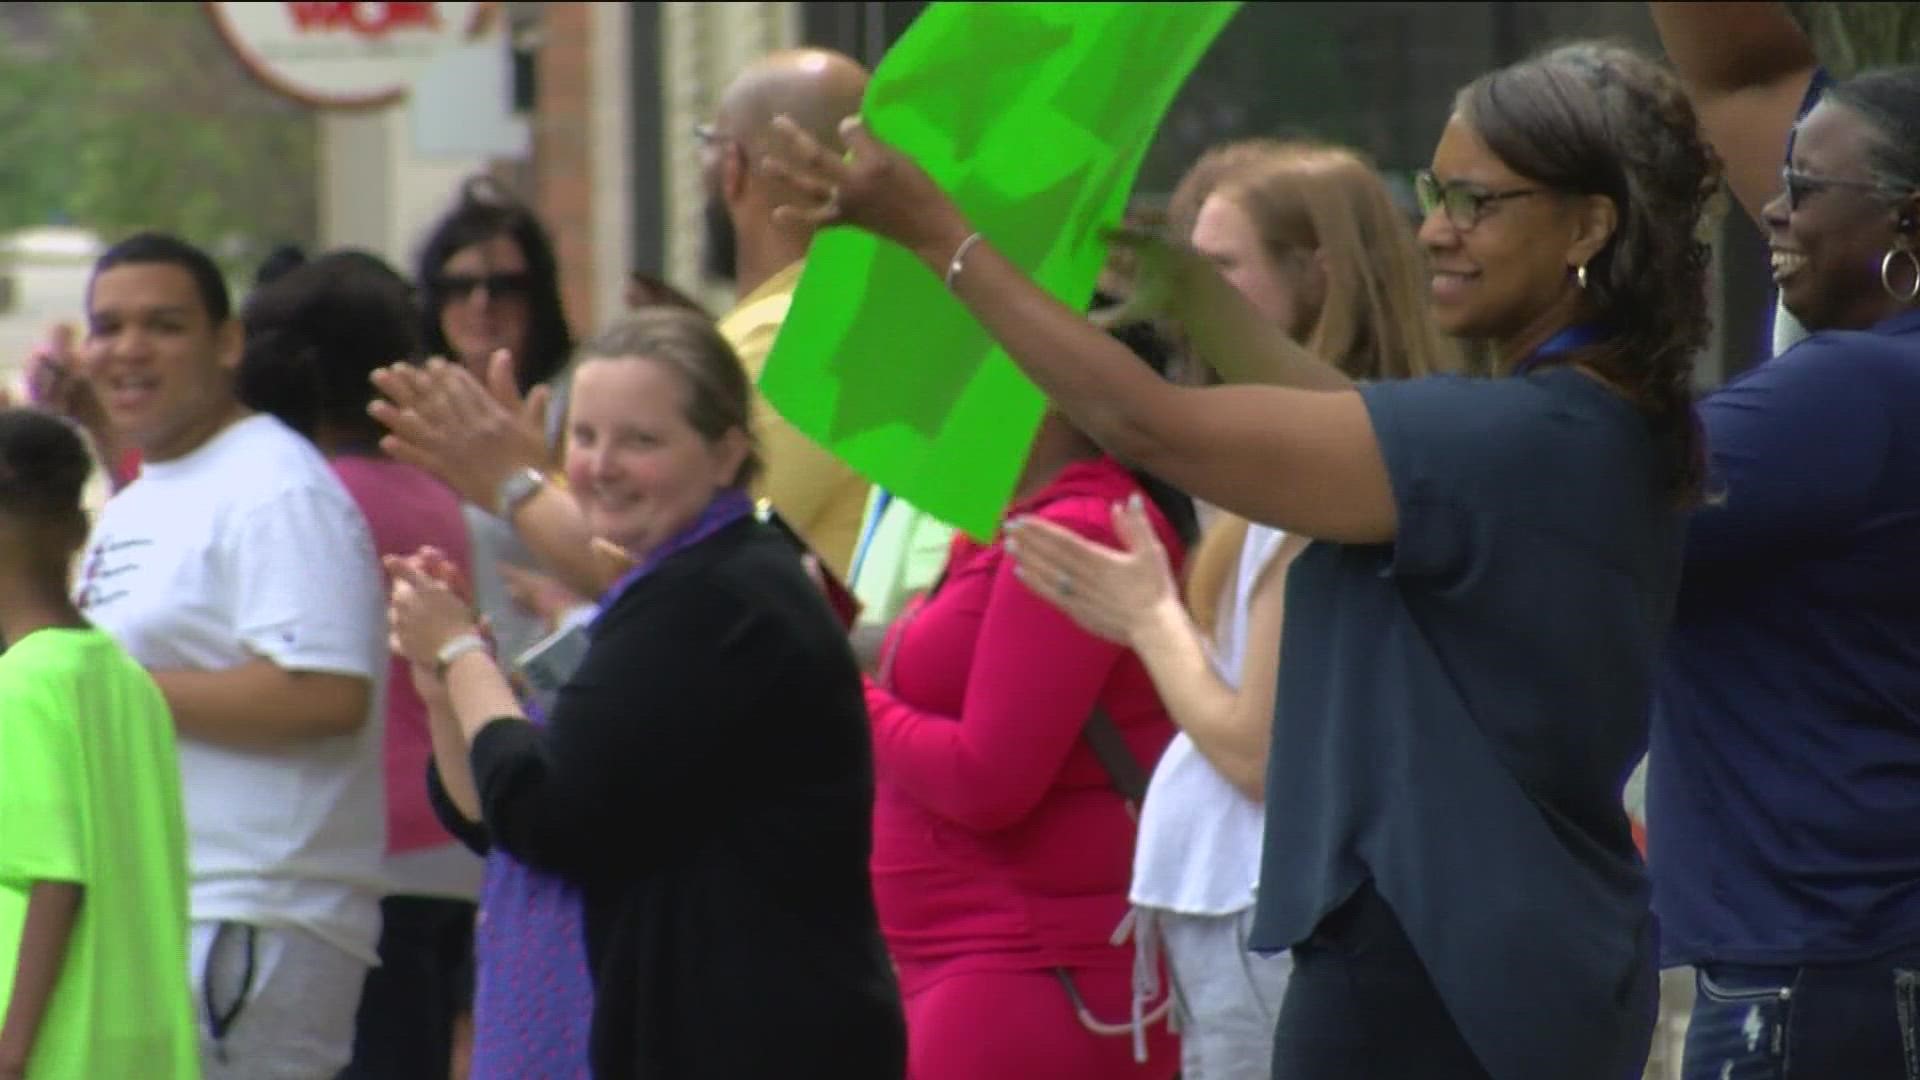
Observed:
{"x":516,"y":489}
{"x":454,"y":650}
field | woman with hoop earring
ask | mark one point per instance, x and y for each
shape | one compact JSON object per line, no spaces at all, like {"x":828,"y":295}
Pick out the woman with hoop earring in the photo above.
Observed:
{"x":1784,"y":792}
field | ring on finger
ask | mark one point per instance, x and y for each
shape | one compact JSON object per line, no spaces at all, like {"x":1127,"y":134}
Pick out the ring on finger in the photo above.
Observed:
{"x":831,"y":208}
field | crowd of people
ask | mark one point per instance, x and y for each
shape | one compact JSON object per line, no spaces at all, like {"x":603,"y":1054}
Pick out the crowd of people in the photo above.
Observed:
{"x":437,"y":695}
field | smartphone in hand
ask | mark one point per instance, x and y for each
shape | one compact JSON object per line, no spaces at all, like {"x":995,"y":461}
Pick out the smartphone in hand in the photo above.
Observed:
{"x":547,"y":664}
{"x":839,"y":597}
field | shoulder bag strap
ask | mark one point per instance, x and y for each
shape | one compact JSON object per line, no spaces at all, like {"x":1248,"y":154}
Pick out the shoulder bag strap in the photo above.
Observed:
{"x":1123,"y":769}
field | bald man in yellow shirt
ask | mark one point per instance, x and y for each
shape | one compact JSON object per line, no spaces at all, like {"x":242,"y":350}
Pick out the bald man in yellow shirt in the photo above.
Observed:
{"x":818,"y":494}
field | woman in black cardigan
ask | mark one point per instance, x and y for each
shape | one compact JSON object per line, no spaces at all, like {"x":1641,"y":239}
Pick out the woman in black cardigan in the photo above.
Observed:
{"x":706,"y":778}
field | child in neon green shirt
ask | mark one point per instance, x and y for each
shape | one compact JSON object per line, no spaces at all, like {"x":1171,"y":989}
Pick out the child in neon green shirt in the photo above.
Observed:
{"x":93,"y":880}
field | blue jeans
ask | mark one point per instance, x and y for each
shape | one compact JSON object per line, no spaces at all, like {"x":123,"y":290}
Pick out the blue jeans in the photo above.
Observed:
{"x":1805,"y":1023}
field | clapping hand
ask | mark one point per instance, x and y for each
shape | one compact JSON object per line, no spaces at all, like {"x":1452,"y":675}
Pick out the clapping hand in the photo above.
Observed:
{"x":1110,"y":593}
{"x":473,"y":437}
{"x":427,"y":607}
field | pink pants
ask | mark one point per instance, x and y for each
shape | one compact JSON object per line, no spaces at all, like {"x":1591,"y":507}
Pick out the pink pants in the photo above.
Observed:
{"x":994,"y":1025}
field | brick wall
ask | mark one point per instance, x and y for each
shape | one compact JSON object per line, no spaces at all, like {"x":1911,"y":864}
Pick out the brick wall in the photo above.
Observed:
{"x":562,"y":163}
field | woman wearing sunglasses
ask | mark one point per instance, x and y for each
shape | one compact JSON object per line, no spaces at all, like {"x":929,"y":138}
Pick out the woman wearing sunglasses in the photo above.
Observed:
{"x":1784,"y":793}
{"x":489,"y":284}
{"x":1473,"y":634}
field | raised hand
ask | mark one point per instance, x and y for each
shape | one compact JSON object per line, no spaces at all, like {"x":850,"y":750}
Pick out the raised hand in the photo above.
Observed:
{"x":503,"y":385}
{"x":872,"y":187}
{"x":441,"y":419}
{"x":53,"y":381}
{"x":1163,"y":278}
{"x":1109,"y":593}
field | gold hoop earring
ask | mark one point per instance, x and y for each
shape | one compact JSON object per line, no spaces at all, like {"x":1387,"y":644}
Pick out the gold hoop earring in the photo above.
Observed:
{"x":1886,"y":274}
{"x":1580,"y":276}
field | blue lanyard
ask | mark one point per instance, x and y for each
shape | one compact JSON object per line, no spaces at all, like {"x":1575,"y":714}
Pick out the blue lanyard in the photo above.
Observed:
{"x":881,"y":498}
{"x":1577,"y":336}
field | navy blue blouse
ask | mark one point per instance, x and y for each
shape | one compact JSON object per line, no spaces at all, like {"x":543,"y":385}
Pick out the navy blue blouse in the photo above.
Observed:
{"x":1783,"y":813}
{"x":1458,"y":712}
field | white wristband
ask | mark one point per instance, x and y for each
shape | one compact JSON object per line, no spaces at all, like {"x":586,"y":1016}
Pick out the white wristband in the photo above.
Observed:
{"x":454,"y":650}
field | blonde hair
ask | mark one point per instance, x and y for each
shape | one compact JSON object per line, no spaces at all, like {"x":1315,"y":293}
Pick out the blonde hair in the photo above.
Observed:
{"x":1372,"y":322}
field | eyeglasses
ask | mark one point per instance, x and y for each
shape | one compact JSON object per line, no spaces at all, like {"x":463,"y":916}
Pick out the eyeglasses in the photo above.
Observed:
{"x":1799,"y":185}
{"x":1464,"y":203}
{"x":451,"y":287}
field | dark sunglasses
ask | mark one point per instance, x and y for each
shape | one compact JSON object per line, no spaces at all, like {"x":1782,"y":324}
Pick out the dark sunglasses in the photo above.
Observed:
{"x":1465,"y":204}
{"x":1799,"y":185}
{"x":461,"y":286}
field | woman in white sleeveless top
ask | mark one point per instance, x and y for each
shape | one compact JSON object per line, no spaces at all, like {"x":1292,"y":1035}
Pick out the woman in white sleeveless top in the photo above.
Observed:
{"x":1309,"y":234}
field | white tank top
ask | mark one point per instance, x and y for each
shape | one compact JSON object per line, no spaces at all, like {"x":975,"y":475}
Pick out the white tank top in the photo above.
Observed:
{"x":1199,"y":846}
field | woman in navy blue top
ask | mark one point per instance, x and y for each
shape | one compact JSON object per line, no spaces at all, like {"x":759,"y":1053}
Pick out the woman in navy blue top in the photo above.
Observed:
{"x":1472,"y":639}
{"x":1784,"y":792}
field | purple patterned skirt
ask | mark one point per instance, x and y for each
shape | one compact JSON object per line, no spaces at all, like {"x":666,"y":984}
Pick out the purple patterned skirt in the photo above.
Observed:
{"x":533,"y":995}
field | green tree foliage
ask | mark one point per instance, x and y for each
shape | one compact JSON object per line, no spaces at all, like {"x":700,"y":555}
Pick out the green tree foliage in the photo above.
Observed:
{"x":35,"y":144}
{"x":136,"y":115}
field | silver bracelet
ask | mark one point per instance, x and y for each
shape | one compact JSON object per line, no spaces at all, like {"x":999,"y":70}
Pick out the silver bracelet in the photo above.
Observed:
{"x":960,"y":257}
{"x":515,"y":490}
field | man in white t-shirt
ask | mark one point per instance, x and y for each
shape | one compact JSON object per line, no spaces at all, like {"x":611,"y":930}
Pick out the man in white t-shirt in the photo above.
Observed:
{"x":239,"y":572}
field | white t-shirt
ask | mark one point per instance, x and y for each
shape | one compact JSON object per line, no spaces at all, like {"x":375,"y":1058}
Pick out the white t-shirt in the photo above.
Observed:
{"x":249,"y":547}
{"x":1198,"y":851}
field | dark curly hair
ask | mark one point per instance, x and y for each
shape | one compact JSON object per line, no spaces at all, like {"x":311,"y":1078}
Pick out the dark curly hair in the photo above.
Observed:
{"x":314,"y":336}
{"x":44,"y":465}
{"x":1152,"y":345}
{"x":486,"y":210}
{"x":1594,"y":118}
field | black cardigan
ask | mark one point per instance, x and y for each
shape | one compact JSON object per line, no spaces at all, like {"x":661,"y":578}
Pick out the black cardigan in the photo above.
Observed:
{"x":707,"y":780}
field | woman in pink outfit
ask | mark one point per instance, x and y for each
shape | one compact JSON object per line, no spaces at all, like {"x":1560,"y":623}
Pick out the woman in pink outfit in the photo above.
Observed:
{"x":1002,"y":843}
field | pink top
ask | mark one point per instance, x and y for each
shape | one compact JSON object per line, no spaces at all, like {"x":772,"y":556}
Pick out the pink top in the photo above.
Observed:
{"x":407,"y":509}
{"x":999,"y":840}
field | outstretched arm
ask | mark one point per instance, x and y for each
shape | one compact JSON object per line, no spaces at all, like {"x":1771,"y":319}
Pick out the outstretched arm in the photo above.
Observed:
{"x":1299,"y":456}
{"x":1747,"y":67}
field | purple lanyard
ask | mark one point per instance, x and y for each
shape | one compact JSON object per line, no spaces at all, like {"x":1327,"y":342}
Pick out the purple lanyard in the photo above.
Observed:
{"x":1577,"y":336}
{"x":726,"y":508}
